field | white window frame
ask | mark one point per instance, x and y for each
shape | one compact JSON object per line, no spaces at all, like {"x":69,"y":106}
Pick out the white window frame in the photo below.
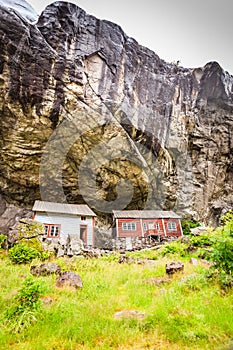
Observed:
{"x":52,"y":230}
{"x":129,"y":226}
{"x":151,"y":225}
{"x":172,"y":226}
{"x":157,"y":226}
{"x":144,"y":226}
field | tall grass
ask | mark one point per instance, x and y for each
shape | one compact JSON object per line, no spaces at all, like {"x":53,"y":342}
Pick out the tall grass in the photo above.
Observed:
{"x":186,"y":313}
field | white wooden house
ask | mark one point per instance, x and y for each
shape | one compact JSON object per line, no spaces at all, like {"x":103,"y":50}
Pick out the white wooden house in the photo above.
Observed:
{"x":60,"y":219}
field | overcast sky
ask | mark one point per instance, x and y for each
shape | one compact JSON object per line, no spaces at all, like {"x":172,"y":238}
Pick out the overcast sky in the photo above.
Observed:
{"x":193,"y":32}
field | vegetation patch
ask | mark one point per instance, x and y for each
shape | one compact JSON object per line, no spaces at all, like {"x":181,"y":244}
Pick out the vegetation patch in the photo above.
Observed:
{"x":22,"y":254}
{"x":26,"y":305}
{"x":188,"y":310}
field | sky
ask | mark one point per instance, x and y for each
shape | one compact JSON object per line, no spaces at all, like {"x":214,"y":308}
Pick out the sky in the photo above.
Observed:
{"x":192,"y":32}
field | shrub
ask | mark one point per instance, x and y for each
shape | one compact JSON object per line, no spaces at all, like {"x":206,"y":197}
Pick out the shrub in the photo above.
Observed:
{"x":22,"y":254}
{"x":173,"y":248}
{"x":27,"y":304}
{"x":222,"y":255}
{"x":193,"y":282}
{"x":222,"y":252}
{"x":2,"y":240}
{"x":28,"y":296}
{"x":227,"y":221}
{"x":226,"y":281}
{"x":203,"y":240}
{"x":187,"y":225}
{"x":46,"y":255}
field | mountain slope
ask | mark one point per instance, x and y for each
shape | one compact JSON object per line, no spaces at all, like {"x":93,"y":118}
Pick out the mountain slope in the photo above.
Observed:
{"x":87,"y":114}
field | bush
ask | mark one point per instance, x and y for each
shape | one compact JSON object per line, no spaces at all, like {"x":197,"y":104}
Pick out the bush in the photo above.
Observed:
{"x":203,"y":240}
{"x":2,"y":240}
{"x":46,"y":255}
{"x":226,"y":281}
{"x":27,"y":304}
{"x":193,"y":282}
{"x":22,"y":254}
{"x":222,"y":254}
{"x":187,"y":225}
{"x":173,"y":248}
{"x":227,"y":221}
{"x":28,"y":296}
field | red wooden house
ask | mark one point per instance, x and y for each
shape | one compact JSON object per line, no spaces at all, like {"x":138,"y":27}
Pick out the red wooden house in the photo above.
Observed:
{"x":144,"y":223}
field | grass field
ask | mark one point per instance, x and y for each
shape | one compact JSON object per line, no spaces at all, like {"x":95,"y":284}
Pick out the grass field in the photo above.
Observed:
{"x":188,"y":312}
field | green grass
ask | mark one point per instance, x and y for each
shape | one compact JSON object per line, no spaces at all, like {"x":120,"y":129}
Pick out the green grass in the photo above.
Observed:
{"x":189,"y":312}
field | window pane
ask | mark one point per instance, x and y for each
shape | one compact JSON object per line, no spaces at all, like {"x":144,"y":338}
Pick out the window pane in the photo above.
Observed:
{"x":124,"y":226}
{"x":52,"y":231}
{"x":56,"y":231}
{"x":171,"y":225}
{"x":150,"y":225}
{"x":129,"y":226}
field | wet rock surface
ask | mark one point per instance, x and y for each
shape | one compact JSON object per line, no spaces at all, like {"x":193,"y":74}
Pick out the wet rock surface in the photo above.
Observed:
{"x":91,"y":91}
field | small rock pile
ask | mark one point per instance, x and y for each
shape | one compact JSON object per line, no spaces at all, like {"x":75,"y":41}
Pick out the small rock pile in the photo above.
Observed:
{"x":71,"y":246}
{"x":45,"y":269}
{"x":65,"y":279}
{"x":173,"y":267}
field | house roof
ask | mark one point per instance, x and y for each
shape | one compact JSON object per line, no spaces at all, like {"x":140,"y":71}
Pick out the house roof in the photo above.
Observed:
{"x":145,"y":214}
{"x":63,"y":208}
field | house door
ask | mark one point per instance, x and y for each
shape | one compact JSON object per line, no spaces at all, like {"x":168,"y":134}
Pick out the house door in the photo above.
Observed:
{"x":83,"y":233}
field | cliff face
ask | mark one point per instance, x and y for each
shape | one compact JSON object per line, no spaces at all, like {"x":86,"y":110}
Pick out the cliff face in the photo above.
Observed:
{"x":87,"y":114}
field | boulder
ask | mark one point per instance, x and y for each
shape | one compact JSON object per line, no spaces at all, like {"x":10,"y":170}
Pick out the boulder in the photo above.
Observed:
{"x":75,"y":246}
{"x":49,"y":244}
{"x":69,"y":279}
{"x":63,"y":241}
{"x":197,"y":231}
{"x":60,"y":252}
{"x":194,"y":261}
{"x":128,"y":314}
{"x":45,"y":269}
{"x":173,"y":267}
{"x":91,"y":253}
{"x":126,"y":259}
